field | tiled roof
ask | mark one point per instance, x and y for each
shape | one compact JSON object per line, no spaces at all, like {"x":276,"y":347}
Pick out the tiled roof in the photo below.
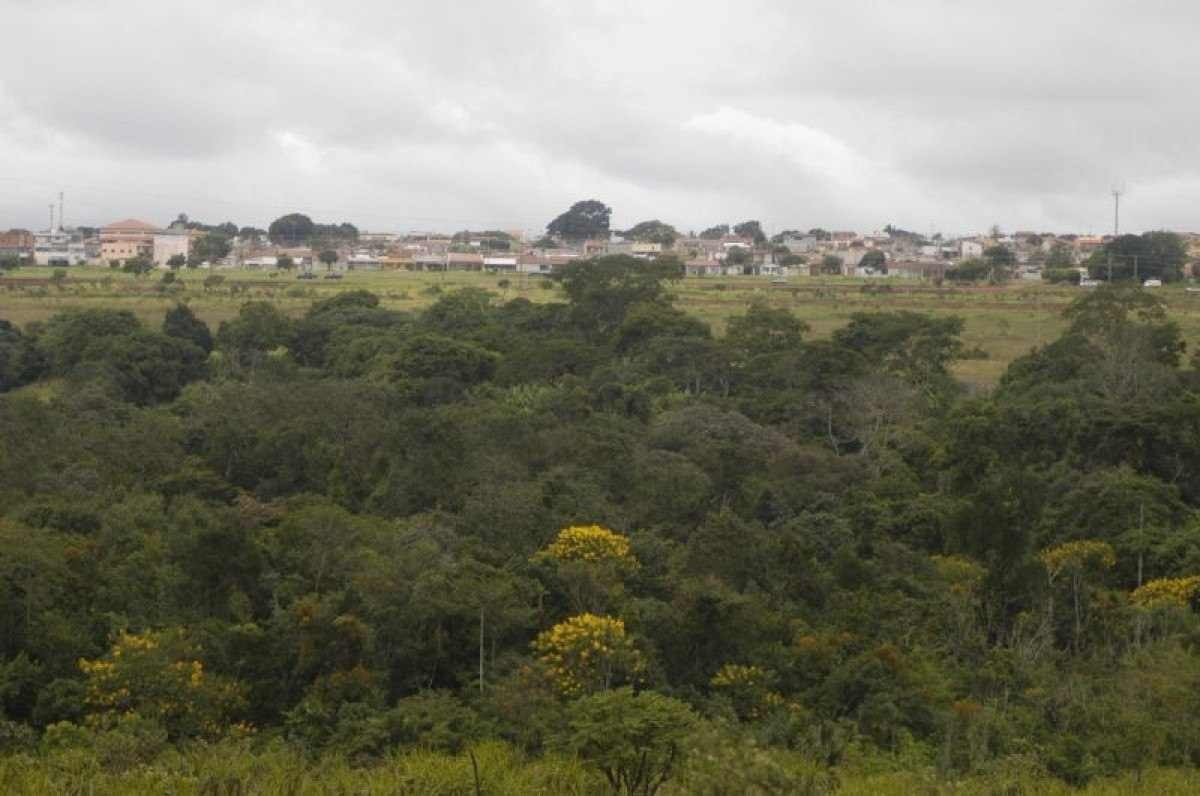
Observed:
{"x":131,"y":224}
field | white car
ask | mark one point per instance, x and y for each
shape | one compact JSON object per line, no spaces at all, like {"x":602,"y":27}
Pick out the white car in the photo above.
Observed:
{"x":1152,"y":283}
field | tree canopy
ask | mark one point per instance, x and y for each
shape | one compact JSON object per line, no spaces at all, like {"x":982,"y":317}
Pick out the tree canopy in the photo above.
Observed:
{"x":582,"y":221}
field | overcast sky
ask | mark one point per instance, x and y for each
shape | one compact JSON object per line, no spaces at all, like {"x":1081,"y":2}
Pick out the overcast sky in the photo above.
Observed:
{"x":949,"y":115}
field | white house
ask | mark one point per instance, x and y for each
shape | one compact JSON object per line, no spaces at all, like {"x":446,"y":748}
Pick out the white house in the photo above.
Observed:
{"x":970,"y":248}
{"x":59,"y":247}
{"x":169,"y":244}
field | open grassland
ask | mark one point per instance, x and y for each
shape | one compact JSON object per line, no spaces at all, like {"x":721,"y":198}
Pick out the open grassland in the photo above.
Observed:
{"x":496,"y":769}
{"x":1002,"y":322}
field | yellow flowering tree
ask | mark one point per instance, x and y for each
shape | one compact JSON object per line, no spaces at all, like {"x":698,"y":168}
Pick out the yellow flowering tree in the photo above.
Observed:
{"x":157,"y":675}
{"x":1162,"y":598}
{"x":1074,"y":561}
{"x":588,"y":653}
{"x":749,"y":688}
{"x":591,"y":563}
{"x":1167,"y":592}
{"x":960,"y":604}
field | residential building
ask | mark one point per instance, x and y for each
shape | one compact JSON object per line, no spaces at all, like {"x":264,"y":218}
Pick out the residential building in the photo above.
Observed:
{"x":16,"y":243}
{"x":507,"y":262}
{"x":802,"y":245}
{"x":171,"y":243}
{"x":970,"y":248}
{"x":364,"y":261}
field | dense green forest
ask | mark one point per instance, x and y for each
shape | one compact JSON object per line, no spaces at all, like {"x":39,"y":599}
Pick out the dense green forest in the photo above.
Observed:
{"x":588,"y":546}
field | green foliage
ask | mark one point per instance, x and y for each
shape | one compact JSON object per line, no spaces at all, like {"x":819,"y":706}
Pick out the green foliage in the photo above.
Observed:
{"x":585,"y":219}
{"x":833,"y":566}
{"x":635,"y":740}
{"x":1151,"y":255}
{"x":652,"y":232}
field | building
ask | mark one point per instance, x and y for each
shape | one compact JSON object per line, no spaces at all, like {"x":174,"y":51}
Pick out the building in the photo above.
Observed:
{"x":126,"y":239}
{"x":59,"y":246}
{"x":170,"y":244}
{"x":16,"y":243}
{"x":505,"y":263}
{"x":364,"y":261}
{"x":802,"y":245}
{"x":970,"y":248}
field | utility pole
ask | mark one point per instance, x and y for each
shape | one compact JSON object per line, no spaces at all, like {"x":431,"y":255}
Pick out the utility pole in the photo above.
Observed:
{"x":1117,"y":211}
{"x":61,"y":223}
{"x":51,"y":216}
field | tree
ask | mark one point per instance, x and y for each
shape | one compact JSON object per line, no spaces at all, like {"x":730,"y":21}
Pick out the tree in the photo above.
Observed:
{"x":584,"y":220}
{"x":328,"y":257}
{"x":636,"y":740}
{"x":182,"y":323}
{"x":211,"y":247}
{"x":739,"y":255}
{"x":177,"y":261}
{"x":20,"y":361}
{"x":602,"y":290}
{"x":874,"y":260}
{"x":1153,"y":255}
{"x":138,"y":266}
{"x":9,"y":262}
{"x":588,"y":653}
{"x":1076,"y":560}
{"x":972,"y":269}
{"x":1060,"y":256}
{"x":293,"y":229}
{"x":1000,"y":260}
{"x":831,"y":264}
{"x":715,"y":233}
{"x":285,"y":262}
{"x":160,"y":676}
{"x":590,"y":562}
{"x":258,"y":329}
{"x":752,"y":230}
{"x":652,"y":232}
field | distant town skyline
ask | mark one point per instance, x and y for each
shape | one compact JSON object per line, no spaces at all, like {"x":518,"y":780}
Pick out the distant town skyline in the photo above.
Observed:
{"x":405,"y":115}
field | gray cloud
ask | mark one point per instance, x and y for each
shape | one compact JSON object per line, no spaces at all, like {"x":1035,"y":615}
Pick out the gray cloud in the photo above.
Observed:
{"x":407,"y":115}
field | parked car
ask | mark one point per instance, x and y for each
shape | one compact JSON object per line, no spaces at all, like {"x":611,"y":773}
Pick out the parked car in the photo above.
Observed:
{"x":1152,"y":283}
{"x":333,"y":275}
{"x":306,"y":275}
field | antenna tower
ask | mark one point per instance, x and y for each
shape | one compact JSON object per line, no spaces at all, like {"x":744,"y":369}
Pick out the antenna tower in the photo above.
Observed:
{"x":1117,"y":191}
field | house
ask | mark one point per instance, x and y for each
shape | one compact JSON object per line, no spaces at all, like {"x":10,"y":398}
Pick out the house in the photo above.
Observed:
{"x":970,"y":248}
{"x":122,"y":240}
{"x":16,"y":243}
{"x":698,"y":267}
{"x":543,"y":263}
{"x":918,"y":269}
{"x":171,"y":243}
{"x":364,"y":261}
{"x":495,"y":264}
{"x":802,"y":245}
{"x":459,"y":261}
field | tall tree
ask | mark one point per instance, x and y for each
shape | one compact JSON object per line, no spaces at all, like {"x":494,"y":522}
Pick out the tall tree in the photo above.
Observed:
{"x":290,"y":230}
{"x":752,"y":230}
{"x":652,"y":232}
{"x":584,"y":220}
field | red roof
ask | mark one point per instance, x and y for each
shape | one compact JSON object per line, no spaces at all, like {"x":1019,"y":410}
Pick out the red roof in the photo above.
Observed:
{"x":131,"y":224}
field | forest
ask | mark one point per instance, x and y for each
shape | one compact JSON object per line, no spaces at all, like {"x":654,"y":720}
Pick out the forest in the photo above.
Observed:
{"x":589,"y":546}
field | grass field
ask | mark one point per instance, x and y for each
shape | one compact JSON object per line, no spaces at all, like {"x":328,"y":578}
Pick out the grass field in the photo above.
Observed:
{"x":1004,"y":322}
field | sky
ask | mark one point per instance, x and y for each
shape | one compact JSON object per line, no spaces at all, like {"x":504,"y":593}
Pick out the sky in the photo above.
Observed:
{"x":932,"y":115}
